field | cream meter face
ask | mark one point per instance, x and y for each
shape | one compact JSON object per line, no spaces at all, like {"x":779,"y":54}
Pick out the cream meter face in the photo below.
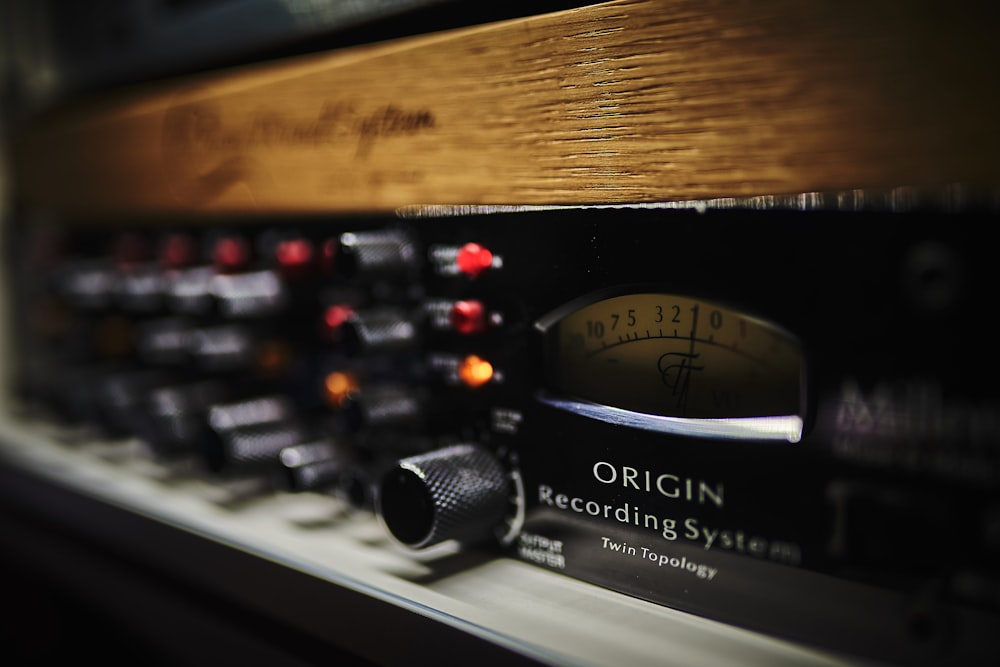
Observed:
{"x":672,"y":363}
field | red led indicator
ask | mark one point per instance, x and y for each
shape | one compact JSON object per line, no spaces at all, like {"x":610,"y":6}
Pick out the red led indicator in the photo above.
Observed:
{"x":335,"y":317}
{"x":473,"y":259}
{"x":468,"y":317}
{"x":231,"y":254}
{"x":176,"y":251}
{"x":329,"y":255}
{"x":294,"y":256}
{"x":129,"y":250}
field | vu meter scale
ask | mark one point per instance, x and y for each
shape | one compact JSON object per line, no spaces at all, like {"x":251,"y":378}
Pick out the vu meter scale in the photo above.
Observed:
{"x":672,"y":363}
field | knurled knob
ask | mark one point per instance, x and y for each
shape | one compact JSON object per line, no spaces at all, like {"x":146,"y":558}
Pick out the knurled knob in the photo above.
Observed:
{"x":175,"y":421}
{"x":120,"y":399}
{"x":384,"y":407}
{"x":254,"y":448}
{"x":372,"y":331}
{"x":457,"y":493}
{"x":315,"y":465}
{"x":373,"y":253}
{"x":250,"y":294}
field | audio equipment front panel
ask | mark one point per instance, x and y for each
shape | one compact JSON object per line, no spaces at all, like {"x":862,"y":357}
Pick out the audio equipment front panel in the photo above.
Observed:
{"x":775,"y":413}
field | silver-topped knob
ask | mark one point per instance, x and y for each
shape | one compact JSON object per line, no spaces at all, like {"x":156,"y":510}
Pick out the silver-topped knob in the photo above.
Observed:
{"x":372,"y":253}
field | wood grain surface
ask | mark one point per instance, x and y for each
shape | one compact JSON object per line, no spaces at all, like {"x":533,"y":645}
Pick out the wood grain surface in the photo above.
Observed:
{"x":626,"y":101}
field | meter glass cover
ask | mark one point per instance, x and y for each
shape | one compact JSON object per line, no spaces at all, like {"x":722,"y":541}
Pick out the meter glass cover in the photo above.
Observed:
{"x":672,"y":356}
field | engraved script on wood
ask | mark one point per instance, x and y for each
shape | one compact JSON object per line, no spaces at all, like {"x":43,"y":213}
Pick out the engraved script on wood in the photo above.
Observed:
{"x":205,"y":153}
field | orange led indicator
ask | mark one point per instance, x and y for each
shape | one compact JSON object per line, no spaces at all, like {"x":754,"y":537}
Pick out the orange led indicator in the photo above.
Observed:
{"x":273,"y":358}
{"x":51,"y":318}
{"x":115,"y":337}
{"x":338,"y":387}
{"x":475,"y":371}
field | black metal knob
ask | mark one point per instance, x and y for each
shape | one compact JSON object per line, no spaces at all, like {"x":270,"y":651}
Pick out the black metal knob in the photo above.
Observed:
{"x":371,"y":331}
{"x":87,"y":284}
{"x":384,"y":407}
{"x":120,"y":399}
{"x":311,"y":466}
{"x":247,"y":295}
{"x":457,"y":493}
{"x":164,"y":341}
{"x":189,"y":291}
{"x":373,"y":253}
{"x":255,"y":448}
{"x":176,"y":422}
{"x":223,"y":348}
{"x":248,"y":435}
{"x":256,"y":410}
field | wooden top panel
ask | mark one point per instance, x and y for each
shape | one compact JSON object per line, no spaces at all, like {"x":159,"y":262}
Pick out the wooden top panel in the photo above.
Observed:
{"x":622,"y":102}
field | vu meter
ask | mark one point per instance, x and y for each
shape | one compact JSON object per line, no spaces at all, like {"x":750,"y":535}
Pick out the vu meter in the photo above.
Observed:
{"x":675,"y":364}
